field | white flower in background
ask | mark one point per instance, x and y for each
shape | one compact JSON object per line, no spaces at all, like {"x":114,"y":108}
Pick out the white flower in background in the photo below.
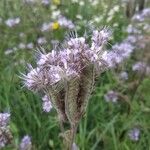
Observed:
{"x":41,"y":40}
{"x":8,"y":51}
{"x":46,"y":27}
{"x":12,"y":22}
{"x":55,"y":14}
{"x":29,"y":46}
{"x":111,"y":96}
{"x":123,"y":75}
{"x":21,"y":46}
{"x":22,"y":35}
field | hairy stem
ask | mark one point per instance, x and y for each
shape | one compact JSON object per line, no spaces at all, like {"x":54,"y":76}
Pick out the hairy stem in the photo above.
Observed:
{"x":73,"y":133}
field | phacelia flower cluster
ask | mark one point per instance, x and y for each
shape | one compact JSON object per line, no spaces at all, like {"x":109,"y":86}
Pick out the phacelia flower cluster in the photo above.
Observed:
{"x":67,"y":76}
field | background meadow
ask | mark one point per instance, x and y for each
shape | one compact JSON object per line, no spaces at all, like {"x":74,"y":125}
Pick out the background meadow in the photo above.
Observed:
{"x":118,"y":114}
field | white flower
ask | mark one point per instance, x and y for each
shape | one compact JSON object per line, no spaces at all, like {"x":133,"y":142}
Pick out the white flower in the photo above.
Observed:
{"x":41,"y":40}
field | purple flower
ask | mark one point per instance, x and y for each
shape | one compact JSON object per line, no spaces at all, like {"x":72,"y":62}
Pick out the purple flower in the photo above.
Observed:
{"x":134,"y":134}
{"x":25,"y":143}
{"x":118,"y":53}
{"x":47,"y":106}
{"x":4,"y":119}
{"x":141,"y":67}
{"x":12,"y":22}
{"x":5,"y":133}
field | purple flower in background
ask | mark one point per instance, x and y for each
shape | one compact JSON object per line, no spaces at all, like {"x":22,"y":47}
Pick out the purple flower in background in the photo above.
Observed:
{"x":134,"y":134}
{"x":111,"y":96}
{"x":141,"y":67}
{"x":25,"y":143}
{"x":5,"y":134}
{"x":4,"y":119}
{"x":131,"y":39}
{"x":118,"y":54}
{"x":45,"y":2}
{"x":64,"y":22}
{"x":47,"y":106}
{"x":12,"y":22}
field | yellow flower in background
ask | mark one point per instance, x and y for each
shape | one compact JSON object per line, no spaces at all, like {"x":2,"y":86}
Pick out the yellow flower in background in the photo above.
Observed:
{"x":55,"y":25}
{"x":56,"y":2}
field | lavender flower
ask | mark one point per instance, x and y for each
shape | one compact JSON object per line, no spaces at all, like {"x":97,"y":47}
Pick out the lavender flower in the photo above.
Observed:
{"x":111,"y":96}
{"x":134,"y":134}
{"x":25,"y":143}
{"x":47,"y":106}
